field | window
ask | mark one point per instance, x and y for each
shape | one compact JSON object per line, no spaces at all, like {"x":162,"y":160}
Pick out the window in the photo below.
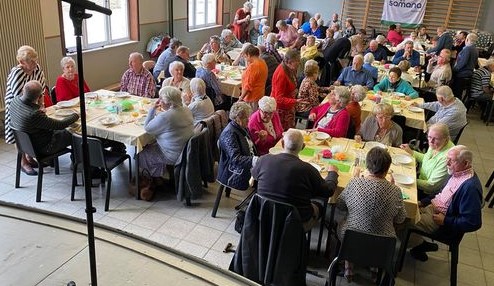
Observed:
{"x":99,"y":30}
{"x":203,"y":13}
{"x":258,"y":10}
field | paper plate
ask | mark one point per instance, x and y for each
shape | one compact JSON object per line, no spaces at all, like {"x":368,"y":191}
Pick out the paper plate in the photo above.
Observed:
{"x":402,"y":159}
{"x":397,"y":110}
{"x":321,"y":135}
{"x":122,"y":94}
{"x":109,"y":120}
{"x":371,"y":144}
{"x":275,"y":150}
{"x":91,"y":95}
{"x":415,"y":109}
{"x":403,"y":179}
{"x":68,"y":103}
{"x":399,"y":94}
{"x":64,"y":112}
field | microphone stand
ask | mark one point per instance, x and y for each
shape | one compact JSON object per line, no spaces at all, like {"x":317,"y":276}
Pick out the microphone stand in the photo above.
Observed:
{"x":77,"y":14}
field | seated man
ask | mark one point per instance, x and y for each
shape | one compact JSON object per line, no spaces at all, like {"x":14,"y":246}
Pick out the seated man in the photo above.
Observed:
{"x":205,"y":73}
{"x":137,"y":80}
{"x":409,"y":54}
{"x":439,"y":70}
{"x":170,"y":51}
{"x":214,"y":47}
{"x":355,"y":74}
{"x":47,"y":135}
{"x":182,"y":55}
{"x":481,"y":89}
{"x":457,"y":208}
{"x":286,"y":178}
{"x":449,"y":110}
{"x":379,"y":52}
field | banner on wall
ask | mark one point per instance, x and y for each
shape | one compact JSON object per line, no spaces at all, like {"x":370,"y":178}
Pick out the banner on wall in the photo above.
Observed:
{"x":409,"y":13}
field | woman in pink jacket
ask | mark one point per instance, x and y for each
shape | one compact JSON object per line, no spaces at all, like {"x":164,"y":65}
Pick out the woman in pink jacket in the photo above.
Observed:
{"x":265,"y":126}
{"x":332,"y":117}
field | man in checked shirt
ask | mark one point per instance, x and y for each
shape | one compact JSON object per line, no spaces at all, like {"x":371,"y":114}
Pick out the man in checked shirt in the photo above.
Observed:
{"x":137,"y":80}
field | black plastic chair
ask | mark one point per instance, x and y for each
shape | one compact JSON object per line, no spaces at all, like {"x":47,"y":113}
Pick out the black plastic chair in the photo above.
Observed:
{"x":53,"y":95}
{"x":452,"y":242}
{"x":24,"y":145}
{"x":366,"y":250}
{"x":457,"y":138}
{"x":99,"y":158}
{"x":491,"y":191}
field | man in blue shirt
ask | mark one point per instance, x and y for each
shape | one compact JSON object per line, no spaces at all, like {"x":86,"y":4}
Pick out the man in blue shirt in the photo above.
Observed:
{"x":355,"y":74}
{"x":170,"y":51}
{"x":379,"y":52}
{"x":466,"y":60}
{"x":408,"y":54}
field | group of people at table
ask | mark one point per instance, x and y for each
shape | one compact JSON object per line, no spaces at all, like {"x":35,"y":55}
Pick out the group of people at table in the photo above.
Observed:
{"x":258,"y":120}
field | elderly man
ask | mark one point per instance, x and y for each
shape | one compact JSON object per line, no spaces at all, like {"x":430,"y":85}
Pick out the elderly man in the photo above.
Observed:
{"x":480,"y":89}
{"x":408,"y":54}
{"x":287,"y":33}
{"x":286,"y":178}
{"x":137,"y":80}
{"x":169,"y":52}
{"x":457,"y":208}
{"x":229,"y":41}
{"x":254,"y":77}
{"x":214,"y":47}
{"x":466,"y":61}
{"x":182,"y":55}
{"x":205,"y":73}
{"x":378,"y":51}
{"x":355,"y":74}
{"x":47,"y":135}
{"x":449,"y":110}
{"x":445,"y":41}
{"x":439,"y":69}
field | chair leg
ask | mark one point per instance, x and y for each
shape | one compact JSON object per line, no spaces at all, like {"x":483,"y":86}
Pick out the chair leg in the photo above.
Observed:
{"x":332,"y":271}
{"x":490,"y":106}
{"x":40,"y":183}
{"x":56,"y":165}
{"x":489,"y":194}
{"x":227,"y":192}
{"x":217,"y":201}
{"x":74,"y":181}
{"x":108,"y":187}
{"x":18,"y":170}
{"x":491,"y":204}
{"x":454,"y":264}
{"x":321,"y":227}
{"x":130,"y":169}
{"x":402,"y":251}
{"x":490,"y":180}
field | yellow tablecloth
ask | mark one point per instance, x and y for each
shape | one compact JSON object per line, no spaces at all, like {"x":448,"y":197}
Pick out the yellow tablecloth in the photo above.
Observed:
{"x":313,"y":147}
{"x":128,"y":131}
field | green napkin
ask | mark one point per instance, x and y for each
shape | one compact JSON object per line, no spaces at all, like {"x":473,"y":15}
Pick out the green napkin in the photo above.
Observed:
{"x":309,"y":152}
{"x":342,"y":167}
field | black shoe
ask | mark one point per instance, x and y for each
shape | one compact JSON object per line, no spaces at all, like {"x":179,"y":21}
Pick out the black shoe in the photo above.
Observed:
{"x":419,"y":255}
{"x":426,"y":247}
{"x":29,"y":172}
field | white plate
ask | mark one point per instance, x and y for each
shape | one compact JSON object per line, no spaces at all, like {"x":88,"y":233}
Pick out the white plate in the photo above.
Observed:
{"x":403,"y":179}
{"x":402,"y":159}
{"x":318,"y":168}
{"x":68,"y":103}
{"x":275,"y":150}
{"x":321,"y":135}
{"x":109,"y":120}
{"x":415,"y":109}
{"x":64,"y":112}
{"x":91,"y":95}
{"x":397,"y":110}
{"x":238,"y":77}
{"x":122,"y":94}
{"x":399,"y":94}
{"x":371,"y":144}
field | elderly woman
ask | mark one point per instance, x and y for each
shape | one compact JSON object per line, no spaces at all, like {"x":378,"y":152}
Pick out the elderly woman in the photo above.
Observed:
{"x":26,"y":70}
{"x":214,"y":47}
{"x":229,"y":41}
{"x":417,"y":44}
{"x":201,"y":105}
{"x":261,"y":40}
{"x":172,"y":128}
{"x":213,"y":89}
{"x":265,"y":126}
{"x":241,"y":21}
{"x":332,"y":117}
{"x":309,"y":91}
{"x":237,"y":151}
{"x":270,"y":48}
{"x":349,"y":28}
{"x":67,"y":86}
{"x":287,"y":33}
{"x":284,"y":88}
{"x":382,"y":207}
{"x":178,"y":80}
{"x":309,"y":51}
{"x":433,"y":170}
{"x":394,"y":82}
{"x":380,"y":127}
{"x":395,"y":37}
{"x":357,"y":94}
{"x":368,"y":60}
{"x":404,"y":66}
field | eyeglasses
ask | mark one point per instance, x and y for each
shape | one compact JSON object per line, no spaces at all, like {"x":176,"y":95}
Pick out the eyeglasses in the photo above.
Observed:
{"x":430,"y":138}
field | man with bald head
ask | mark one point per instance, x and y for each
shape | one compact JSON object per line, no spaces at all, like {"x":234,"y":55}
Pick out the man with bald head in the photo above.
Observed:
{"x":47,"y":135}
{"x":378,"y":51}
{"x":137,"y":80}
{"x":445,"y":41}
{"x":286,"y":178}
{"x":355,"y":74}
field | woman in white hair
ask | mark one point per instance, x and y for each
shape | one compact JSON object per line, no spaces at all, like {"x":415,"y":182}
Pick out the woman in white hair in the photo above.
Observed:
{"x":241,"y":21}
{"x":201,"y":105}
{"x":265,"y":30}
{"x":178,"y":80}
{"x":265,"y":126}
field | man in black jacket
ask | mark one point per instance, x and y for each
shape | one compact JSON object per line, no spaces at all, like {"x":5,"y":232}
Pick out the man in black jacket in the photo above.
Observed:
{"x":182,"y":55}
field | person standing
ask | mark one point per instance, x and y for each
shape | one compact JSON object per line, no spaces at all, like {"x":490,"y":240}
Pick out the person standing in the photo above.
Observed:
{"x":466,"y":60}
{"x":254,"y":77}
{"x":241,"y":21}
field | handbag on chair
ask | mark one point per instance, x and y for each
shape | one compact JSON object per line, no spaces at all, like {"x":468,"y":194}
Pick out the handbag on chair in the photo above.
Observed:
{"x":146,"y":185}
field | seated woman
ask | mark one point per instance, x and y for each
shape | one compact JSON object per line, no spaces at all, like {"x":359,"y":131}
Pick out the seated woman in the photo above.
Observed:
{"x":309,"y":91}
{"x":332,"y":117}
{"x":383,"y":204}
{"x":368,"y":60}
{"x":265,"y":126}
{"x":178,"y":80}
{"x":172,"y":128}
{"x":357,"y":94}
{"x":270,"y":46}
{"x":261,"y":40}
{"x":433,"y":170}
{"x":201,"y":105}
{"x":394,"y":81}
{"x":404,"y":66}
{"x":237,"y":151}
{"x":380,"y":127}
{"x":67,"y":86}
{"x":309,"y":51}
{"x":214,"y":47}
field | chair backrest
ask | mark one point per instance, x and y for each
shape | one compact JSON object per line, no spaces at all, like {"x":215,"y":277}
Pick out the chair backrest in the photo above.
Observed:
{"x":53,"y":95}
{"x":367,"y":249}
{"x":457,"y":138}
{"x":24,"y":144}
{"x":95,"y":148}
{"x":350,"y":134}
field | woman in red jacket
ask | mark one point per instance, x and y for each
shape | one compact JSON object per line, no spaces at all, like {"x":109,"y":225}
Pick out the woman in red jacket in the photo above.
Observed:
{"x":284,"y":88}
{"x":67,"y":86}
{"x":332,"y":117}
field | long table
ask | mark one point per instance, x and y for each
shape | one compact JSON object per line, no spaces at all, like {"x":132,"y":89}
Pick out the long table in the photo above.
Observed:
{"x":312,"y":151}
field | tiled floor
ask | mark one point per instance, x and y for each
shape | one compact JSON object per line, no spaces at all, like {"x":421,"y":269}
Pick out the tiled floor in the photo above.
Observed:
{"x":193,"y":230}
